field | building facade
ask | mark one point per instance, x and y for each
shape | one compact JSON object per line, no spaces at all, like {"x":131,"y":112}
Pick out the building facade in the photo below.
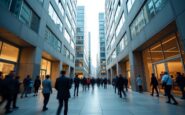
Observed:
{"x":37,"y":37}
{"x":81,"y":62}
{"x":89,"y":50}
{"x":102,"y":44}
{"x":144,"y":37}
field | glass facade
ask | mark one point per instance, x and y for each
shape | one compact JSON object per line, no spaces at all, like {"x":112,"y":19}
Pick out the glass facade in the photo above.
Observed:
{"x":149,"y":10}
{"x":165,"y":55}
{"x":130,"y":4}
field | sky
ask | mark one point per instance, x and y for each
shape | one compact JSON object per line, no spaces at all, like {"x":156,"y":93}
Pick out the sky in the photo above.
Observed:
{"x":92,"y":8}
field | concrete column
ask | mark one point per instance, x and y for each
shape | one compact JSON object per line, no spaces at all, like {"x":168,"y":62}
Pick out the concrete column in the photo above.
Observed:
{"x":111,"y":74}
{"x":29,"y":63}
{"x":55,"y":71}
{"x":136,"y":66}
{"x":119,"y":70}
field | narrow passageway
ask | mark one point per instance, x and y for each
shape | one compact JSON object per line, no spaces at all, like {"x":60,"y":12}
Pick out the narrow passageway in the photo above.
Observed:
{"x":102,"y":102}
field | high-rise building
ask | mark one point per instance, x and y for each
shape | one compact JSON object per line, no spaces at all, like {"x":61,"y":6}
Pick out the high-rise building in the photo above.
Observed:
{"x":89,"y":50}
{"x":81,"y":62}
{"x":102,"y":52}
{"x":145,"y":37}
{"x":37,"y":37}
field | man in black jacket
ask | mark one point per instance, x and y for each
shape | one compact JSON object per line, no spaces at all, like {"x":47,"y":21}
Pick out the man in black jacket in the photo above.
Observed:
{"x":120,"y":84}
{"x":154,"y":84}
{"x":76,"y":83}
{"x":63,"y":85}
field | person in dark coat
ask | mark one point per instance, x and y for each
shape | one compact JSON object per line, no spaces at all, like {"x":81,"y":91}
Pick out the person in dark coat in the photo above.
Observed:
{"x":120,"y":84}
{"x":105,"y":83}
{"x":154,"y":84}
{"x":37,"y":84}
{"x":115,"y":83}
{"x":9,"y":90}
{"x":93,"y":83}
{"x":76,"y":83}
{"x":126,"y":83}
{"x":180,"y":80}
{"x":84,"y":83}
{"x":63,"y":86}
{"x":26,"y":85}
{"x":16,"y":91}
{"x":1,"y":88}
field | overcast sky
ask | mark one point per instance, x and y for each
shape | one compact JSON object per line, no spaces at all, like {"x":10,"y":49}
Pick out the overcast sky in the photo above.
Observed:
{"x":92,"y":8}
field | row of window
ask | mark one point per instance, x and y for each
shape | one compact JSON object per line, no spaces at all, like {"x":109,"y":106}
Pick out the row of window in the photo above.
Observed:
{"x":149,"y":10}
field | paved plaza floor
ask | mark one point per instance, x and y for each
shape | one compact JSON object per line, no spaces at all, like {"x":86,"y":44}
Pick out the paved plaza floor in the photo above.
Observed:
{"x":102,"y":102}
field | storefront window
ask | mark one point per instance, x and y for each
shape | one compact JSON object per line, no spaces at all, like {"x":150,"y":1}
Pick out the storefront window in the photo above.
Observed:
{"x":9,"y":52}
{"x":46,"y":65}
{"x":6,"y":68}
{"x":156,"y":52}
{"x":170,"y":46}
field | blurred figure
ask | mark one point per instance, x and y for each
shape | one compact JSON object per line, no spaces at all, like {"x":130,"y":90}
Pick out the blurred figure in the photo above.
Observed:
{"x":37,"y":84}
{"x":126,"y":83}
{"x":9,"y":90}
{"x":98,"y":82}
{"x":2,"y":97}
{"x":63,"y":86}
{"x":154,"y":84}
{"x":115,"y":83}
{"x":88,"y":82}
{"x":84,"y":84}
{"x":16,"y":91}
{"x":166,"y":79}
{"x":93,"y":83}
{"x":180,"y":80}
{"x":76,"y":83}
{"x":105,"y":83}
{"x":139,"y":82}
{"x":47,"y":90}
{"x":120,"y":84}
{"x":26,"y":85}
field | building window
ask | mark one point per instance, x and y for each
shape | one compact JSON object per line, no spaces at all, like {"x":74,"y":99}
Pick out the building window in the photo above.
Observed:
{"x":120,"y":24}
{"x":67,"y":36}
{"x":130,"y":4}
{"x":149,"y":10}
{"x":8,"y":52}
{"x":54,"y":17}
{"x":52,"y":40}
{"x":122,"y":45}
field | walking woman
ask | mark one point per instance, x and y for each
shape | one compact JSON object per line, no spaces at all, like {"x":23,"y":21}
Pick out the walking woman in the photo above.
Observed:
{"x":154,"y":84}
{"x":47,"y":90}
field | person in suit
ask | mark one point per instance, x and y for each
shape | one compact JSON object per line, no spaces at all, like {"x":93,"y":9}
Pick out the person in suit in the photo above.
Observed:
{"x":76,"y":83}
{"x":154,"y":84}
{"x":63,"y":86}
{"x":37,"y":84}
{"x":47,"y":90}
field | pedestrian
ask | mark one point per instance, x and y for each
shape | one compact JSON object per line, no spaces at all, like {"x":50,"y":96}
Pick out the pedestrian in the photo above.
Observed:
{"x":37,"y":84}
{"x":47,"y":90}
{"x":88,"y":82}
{"x":154,"y":84}
{"x":2,"y":98}
{"x":9,"y":90}
{"x":115,"y":83}
{"x":105,"y":83}
{"x":84,"y":84}
{"x":16,"y":91}
{"x":63,"y":86}
{"x":139,"y":83}
{"x":93,"y":83}
{"x":180,"y":80}
{"x":76,"y":83}
{"x":120,"y":84}
{"x":98,"y":82}
{"x":167,"y":80}
{"x":126,"y":83}
{"x":26,"y":85}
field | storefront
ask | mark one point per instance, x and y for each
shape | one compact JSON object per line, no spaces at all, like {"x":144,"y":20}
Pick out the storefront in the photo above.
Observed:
{"x":45,"y":68}
{"x":164,"y":55}
{"x":8,"y":57}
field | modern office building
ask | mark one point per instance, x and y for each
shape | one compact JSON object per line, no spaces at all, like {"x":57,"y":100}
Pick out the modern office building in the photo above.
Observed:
{"x":81,"y":62}
{"x":144,"y":37}
{"x":89,"y":50}
{"x":37,"y":37}
{"x":102,"y":52}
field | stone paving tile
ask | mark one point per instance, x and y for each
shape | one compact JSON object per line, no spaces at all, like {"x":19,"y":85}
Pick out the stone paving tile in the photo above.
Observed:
{"x":101,"y":102}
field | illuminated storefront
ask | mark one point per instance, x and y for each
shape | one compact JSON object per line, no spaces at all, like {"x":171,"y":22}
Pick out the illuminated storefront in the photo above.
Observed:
{"x":165,"y":55}
{"x":8,"y":57}
{"x":45,"y":68}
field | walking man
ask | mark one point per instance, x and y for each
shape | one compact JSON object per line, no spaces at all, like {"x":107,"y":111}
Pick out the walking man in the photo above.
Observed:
{"x":180,"y":80}
{"x":154,"y":84}
{"x":63,"y":85}
{"x":166,"y":79}
{"x":139,"y":83}
{"x":76,"y":83}
{"x":37,"y":84}
{"x":47,"y":90}
{"x":121,"y":86}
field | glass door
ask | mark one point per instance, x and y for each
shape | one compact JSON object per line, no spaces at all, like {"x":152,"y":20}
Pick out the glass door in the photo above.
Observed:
{"x":6,"y":68}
